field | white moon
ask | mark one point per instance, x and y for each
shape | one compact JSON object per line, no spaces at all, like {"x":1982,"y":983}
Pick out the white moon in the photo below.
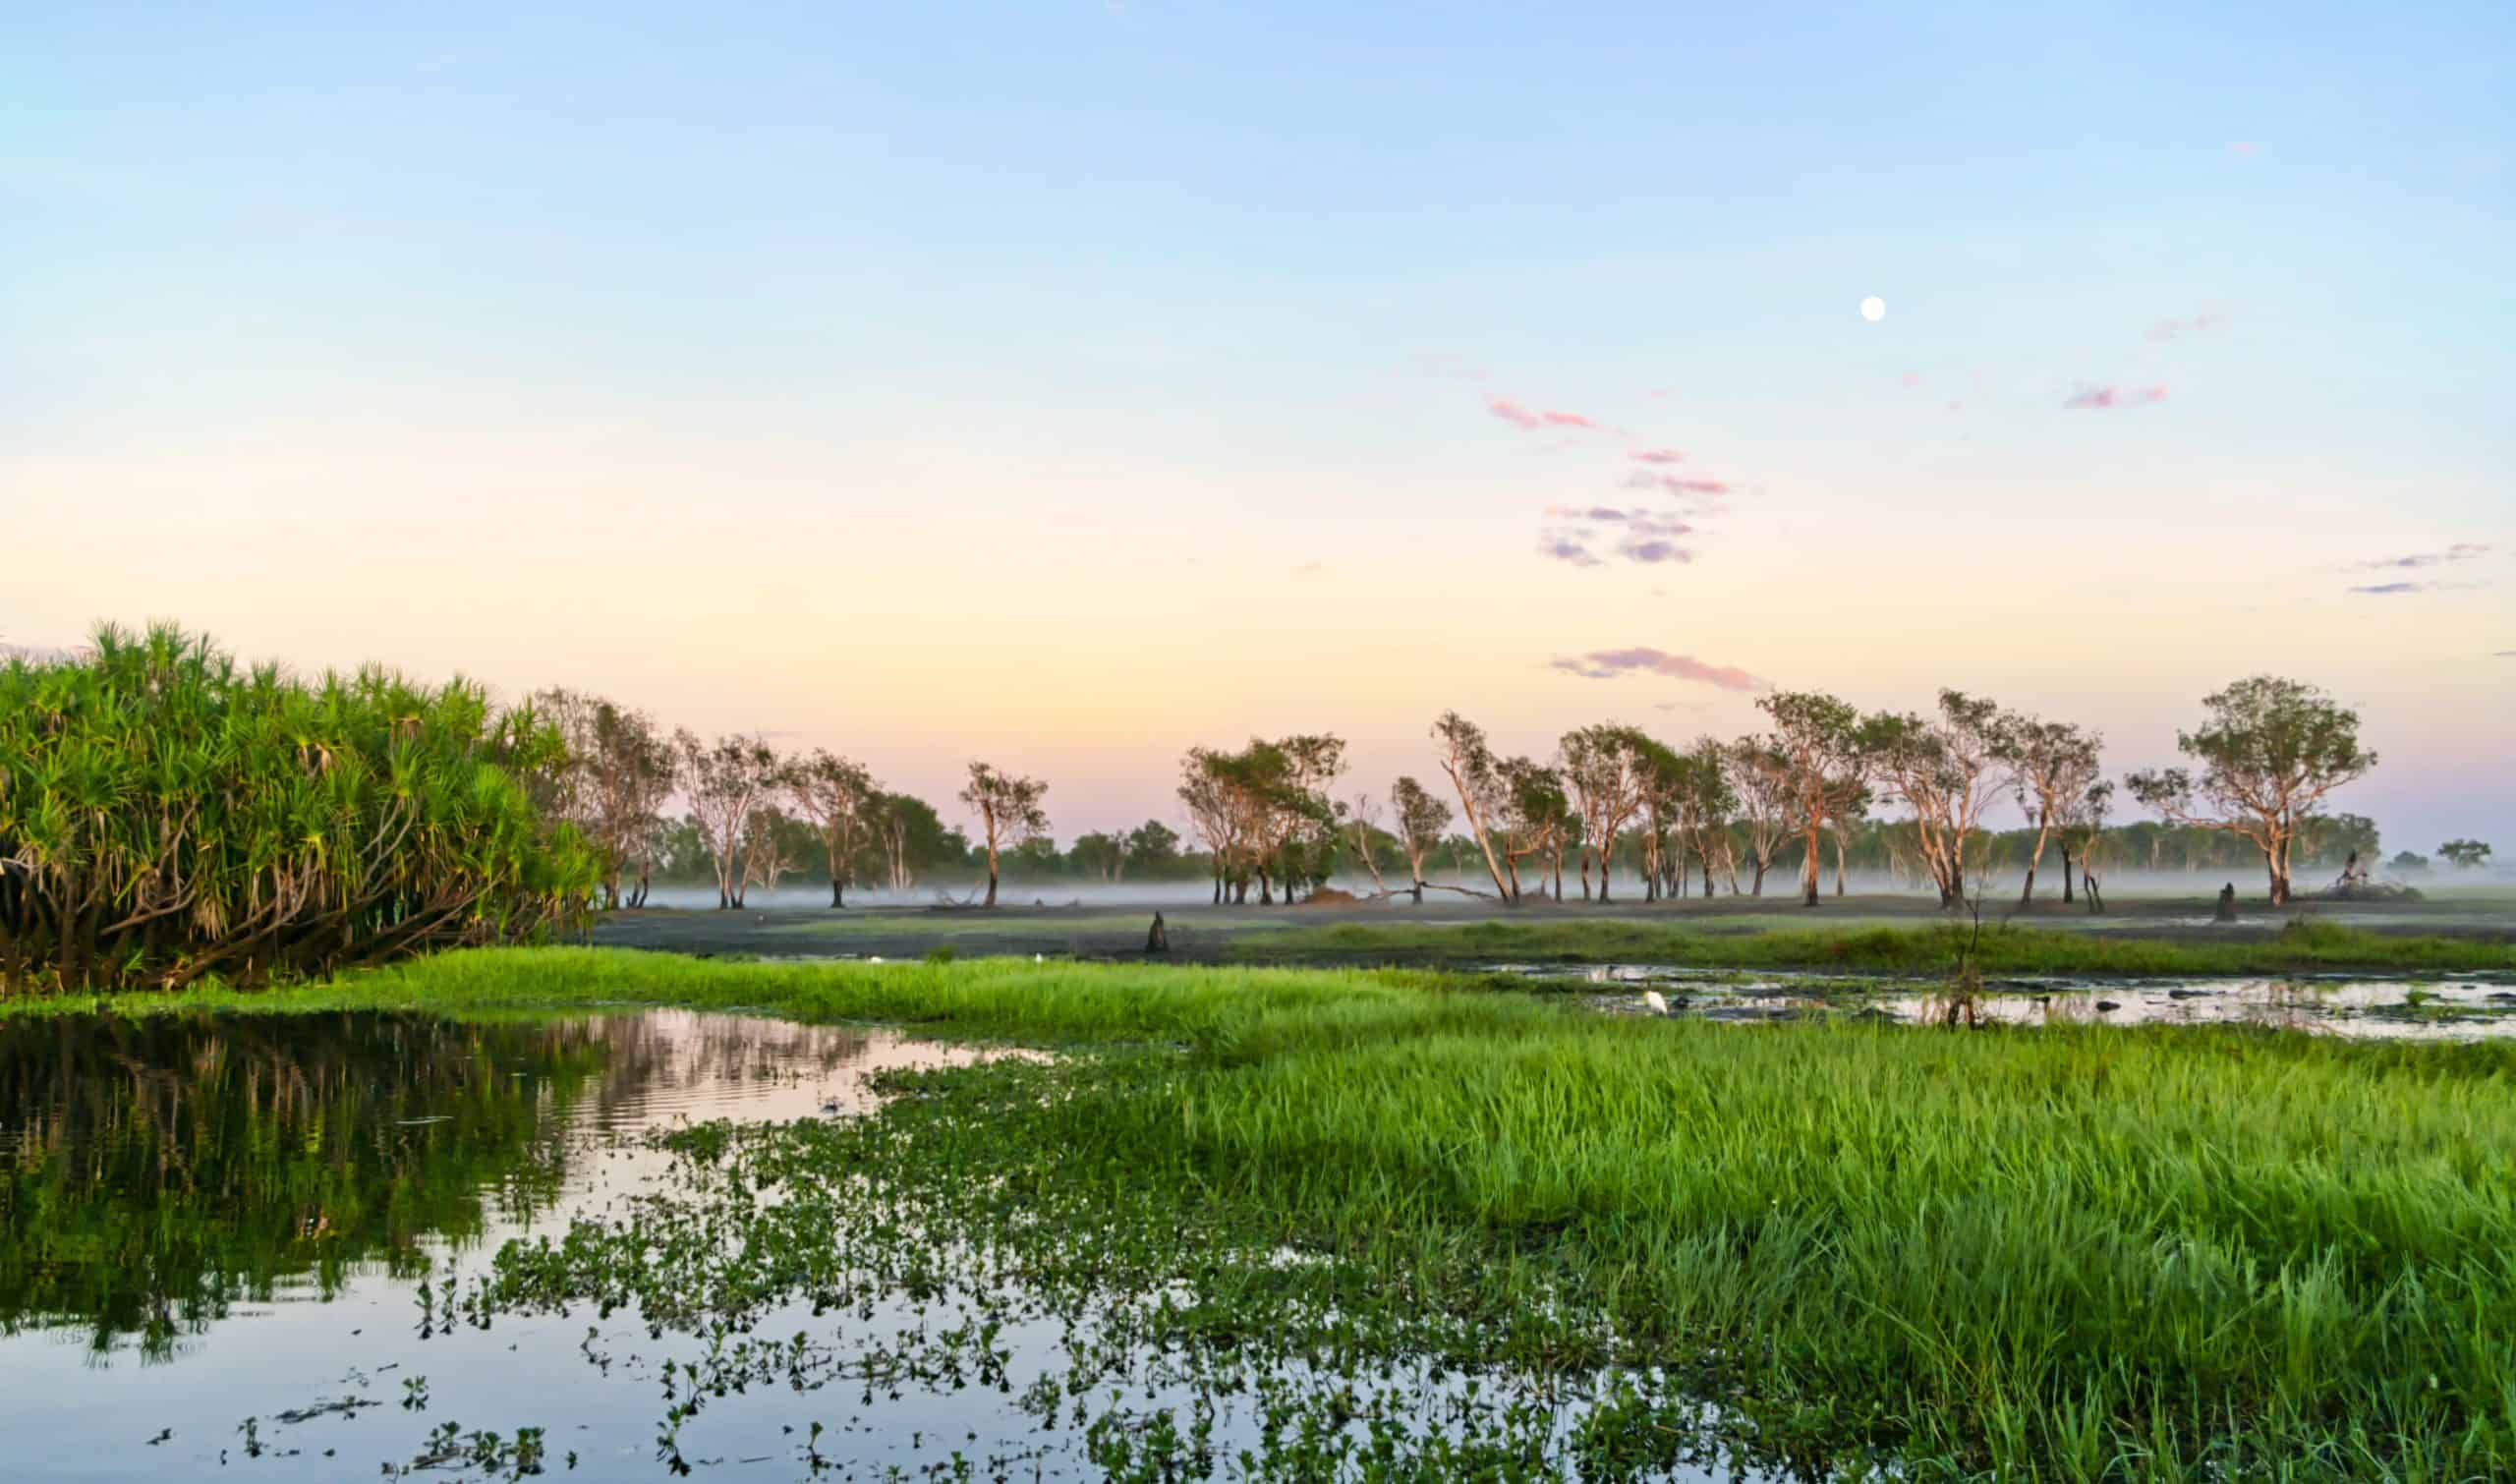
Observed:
{"x":1873,"y":309}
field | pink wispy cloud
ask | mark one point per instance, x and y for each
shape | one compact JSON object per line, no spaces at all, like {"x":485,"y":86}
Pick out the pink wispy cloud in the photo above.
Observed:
{"x":1521,"y":415}
{"x":1913,"y":379}
{"x":2244,"y":150}
{"x":1608,"y":665}
{"x":1656,"y":456}
{"x":2101,"y":397}
{"x":1675,"y":484}
{"x":2169,"y":329}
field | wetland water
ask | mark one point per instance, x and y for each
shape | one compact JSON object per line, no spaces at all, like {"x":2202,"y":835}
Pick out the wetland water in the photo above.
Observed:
{"x":249,"y":1245}
{"x":2457,"y":1008}
{"x":208,"y":1218}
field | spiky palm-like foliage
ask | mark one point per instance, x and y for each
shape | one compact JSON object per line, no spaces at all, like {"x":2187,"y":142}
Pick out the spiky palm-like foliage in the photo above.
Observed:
{"x":167,"y":815}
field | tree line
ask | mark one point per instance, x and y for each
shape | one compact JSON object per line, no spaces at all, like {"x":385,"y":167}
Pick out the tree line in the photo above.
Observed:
{"x":1809,"y":787}
{"x":2269,"y":751}
{"x":166,"y":814}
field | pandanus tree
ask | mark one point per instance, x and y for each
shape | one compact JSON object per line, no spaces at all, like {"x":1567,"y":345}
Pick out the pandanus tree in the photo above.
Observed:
{"x":2272,"y":750}
{"x":168,"y":815}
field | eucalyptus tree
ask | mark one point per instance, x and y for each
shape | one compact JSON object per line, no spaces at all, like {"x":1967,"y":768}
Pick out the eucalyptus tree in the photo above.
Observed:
{"x":1422,"y":819}
{"x":1302,"y":820}
{"x":1362,"y":815}
{"x":911,"y":835}
{"x":1153,"y":845}
{"x":728,"y":784}
{"x":1537,"y":820}
{"x":167,"y":815}
{"x":1760,"y":790}
{"x":1207,"y":795}
{"x":1844,"y":825}
{"x":1815,"y":751}
{"x":1706,"y":797}
{"x":1264,"y":810}
{"x":1100,"y":854}
{"x":613,"y":787}
{"x":772,"y":845}
{"x":1476,"y":777}
{"x":2051,"y":767}
{"x":1658,"y":772}
{"x":2270,"y":750}
{"x":1602,"y":766}
{"x":839,"y":797}
{"x":2082,"y":830}
{"x":1947,"y":770}
{"x":2465,"y":855}
{"x":1009,"y":814}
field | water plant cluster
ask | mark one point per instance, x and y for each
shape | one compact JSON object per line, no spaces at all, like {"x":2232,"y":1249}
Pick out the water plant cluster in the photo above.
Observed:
{"x":167,"y":816}
{"x":1338,"y":1199}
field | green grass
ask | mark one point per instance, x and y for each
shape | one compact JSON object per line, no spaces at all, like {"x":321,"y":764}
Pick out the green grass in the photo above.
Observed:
{"x":2066,"y":1253}
{"x":2303,"y":946}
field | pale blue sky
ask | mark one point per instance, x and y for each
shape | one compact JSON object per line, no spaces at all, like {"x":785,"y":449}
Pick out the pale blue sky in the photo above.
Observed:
{"x":1133,"y":289}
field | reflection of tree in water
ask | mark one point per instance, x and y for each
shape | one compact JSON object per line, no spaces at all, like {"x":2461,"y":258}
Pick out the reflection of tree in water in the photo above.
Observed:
{"x":152,"y":1173}
{"x":658,"y":1058}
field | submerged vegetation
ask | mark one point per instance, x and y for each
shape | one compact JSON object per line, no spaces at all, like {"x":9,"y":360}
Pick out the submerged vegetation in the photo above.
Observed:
{"x":167,"y":816}
{"x":2077,"y":1253}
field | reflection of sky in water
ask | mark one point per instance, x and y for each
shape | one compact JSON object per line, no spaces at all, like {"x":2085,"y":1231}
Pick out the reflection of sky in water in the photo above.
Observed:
{"x":2456,"y":1010}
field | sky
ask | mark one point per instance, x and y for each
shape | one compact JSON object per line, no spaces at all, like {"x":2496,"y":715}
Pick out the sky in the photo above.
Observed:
{"x":1065,"y":384}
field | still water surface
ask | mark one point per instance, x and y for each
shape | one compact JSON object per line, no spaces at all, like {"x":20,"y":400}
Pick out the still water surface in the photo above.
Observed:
{"x":215,"y":1232}
{"x":210,"y":1219}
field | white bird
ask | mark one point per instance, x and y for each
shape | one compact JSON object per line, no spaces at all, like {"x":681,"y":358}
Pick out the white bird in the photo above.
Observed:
{"x":1658,"y":1005}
